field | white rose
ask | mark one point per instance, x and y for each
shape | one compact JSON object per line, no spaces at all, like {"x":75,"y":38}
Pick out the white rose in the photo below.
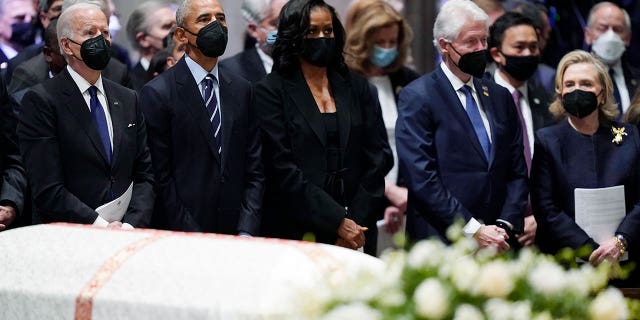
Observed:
{"x":497,"y":309}
{"x":468,"y":312}
{"x":547,"y":278}
{"x":521,"y":310}
{"x":356,"y":310}
{"x":546,"y":315}
{"x":609,"y":305}
{"x":577,"y":283}
{"x":432,"y":299}
{"x":464,"y":273}
{"x":495,"y":280}
{"x":426,"y":253}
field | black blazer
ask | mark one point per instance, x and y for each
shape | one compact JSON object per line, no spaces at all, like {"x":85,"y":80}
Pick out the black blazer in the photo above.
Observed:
{"x":14,"y":182}
{"x":539,"y":101}
{"x":65,"y":160}
{"x":199,"y":189}
{"x":246,"y":64}
{"x":295,"y":156}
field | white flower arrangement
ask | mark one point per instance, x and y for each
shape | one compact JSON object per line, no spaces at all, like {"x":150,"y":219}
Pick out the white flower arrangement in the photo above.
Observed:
{"x":435,"y":281}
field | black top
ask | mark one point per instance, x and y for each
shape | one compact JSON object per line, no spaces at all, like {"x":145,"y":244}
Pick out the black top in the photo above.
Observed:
{"x":334,"y":183}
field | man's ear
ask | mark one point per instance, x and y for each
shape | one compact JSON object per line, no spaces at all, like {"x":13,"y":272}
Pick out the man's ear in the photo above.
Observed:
{"x":442,"y":44}
{"x":180,"y":35}
{"x":252,"y":29}
{"x":495,"y":55}
{"x":65,"y":46}
{"x":588,"y":37}
{"x":141,"y":38}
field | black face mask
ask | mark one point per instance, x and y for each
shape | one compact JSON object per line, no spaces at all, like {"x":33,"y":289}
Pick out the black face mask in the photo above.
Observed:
{"x":23,"y":33}
{"x":319,"y":51}
{"x":472,"y":63}
{"x":580,"y":103}
{"x":95,"y":52}
{"x":212,"y":39}
{"x":520,"y":67}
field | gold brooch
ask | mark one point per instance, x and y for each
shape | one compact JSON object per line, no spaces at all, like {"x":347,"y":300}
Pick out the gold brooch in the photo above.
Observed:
{"x":617,"y":134}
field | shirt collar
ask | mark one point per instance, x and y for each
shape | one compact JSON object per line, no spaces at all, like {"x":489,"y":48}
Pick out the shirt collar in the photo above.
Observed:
{"x":198,"y":72}
{"x":82,"y":83}
{"x":503,"y":82}
{"x":454,"y":80}
{"x":267,"y":61}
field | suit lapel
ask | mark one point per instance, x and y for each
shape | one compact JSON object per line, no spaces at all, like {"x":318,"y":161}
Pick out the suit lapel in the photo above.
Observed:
{"x":342,"y":97}
{"x":487,"y":105}
{"x":117,"y":120}
{"x":304,"y":101}
{"x":189,"y":93}
{"x":77,"y":106}
{"x":226,"y":99}
{"x":445,"y":89}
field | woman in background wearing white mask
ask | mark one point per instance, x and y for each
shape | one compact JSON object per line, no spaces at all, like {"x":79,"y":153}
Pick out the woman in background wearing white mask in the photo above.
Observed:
{"x":377,"y":47}
{"x":608,"y":32}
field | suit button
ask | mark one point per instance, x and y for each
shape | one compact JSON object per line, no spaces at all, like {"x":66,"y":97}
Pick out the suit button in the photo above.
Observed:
{"x":222,"y":180}
{"x":113,"y":179}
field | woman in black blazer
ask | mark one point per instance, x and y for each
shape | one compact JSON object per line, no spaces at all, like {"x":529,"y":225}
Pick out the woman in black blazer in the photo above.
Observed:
{"x":323,"y":157}
{"x":587,"y":149}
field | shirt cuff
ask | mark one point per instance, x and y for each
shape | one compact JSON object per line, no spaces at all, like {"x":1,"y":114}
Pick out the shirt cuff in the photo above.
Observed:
{"x":126,"y":226}
{"x":471,"y":227}
{"x":244,"y":234}
{"x":100,"y":222}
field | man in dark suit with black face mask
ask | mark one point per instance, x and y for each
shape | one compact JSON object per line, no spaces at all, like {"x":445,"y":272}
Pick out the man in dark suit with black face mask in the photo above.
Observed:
{"x":83,"y":138}
{"x":459,"y":140}
{"x":514,"y":47}
{"x":202,"y":134}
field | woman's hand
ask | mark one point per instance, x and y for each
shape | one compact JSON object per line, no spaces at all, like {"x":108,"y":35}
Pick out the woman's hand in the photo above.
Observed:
{"x":607,"y":250}
{"x":351,"y":234}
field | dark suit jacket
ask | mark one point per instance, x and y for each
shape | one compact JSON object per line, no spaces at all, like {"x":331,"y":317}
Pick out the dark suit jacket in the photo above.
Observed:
{"x":36,"y":70}
{"x":566,"y":159}
{"x":138,"y":77}
{"x":199,"y":189}
{"x":295,"y":156}
{"x":448,"y":175}
{"x":65,"y":160}
{"x":539,"y":100}
{"x":13,"y":185}
{"x":246,"y":64}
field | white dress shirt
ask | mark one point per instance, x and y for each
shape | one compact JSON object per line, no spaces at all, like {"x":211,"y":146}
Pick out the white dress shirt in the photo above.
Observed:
{"x":527,"y":115}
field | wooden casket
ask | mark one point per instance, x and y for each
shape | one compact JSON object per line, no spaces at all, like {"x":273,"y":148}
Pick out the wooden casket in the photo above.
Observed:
{"x":65,"y":271}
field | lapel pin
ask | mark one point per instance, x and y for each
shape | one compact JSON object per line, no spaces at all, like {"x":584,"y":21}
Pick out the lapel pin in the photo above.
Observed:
{"x":131,"y":125}
{"x":485,"y":90}
{"x":536,"y":100}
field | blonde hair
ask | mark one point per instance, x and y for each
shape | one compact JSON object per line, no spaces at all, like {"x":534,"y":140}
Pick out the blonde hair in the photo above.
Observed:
{"x":364,"y":19}
{"x":608,"y":110}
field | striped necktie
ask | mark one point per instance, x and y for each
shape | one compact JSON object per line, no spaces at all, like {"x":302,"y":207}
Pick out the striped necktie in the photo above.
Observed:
{"x":213,"y":109}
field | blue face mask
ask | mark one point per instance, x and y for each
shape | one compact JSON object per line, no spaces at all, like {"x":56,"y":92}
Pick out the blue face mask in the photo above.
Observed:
{"x":383,"y":57}
{"x":272,"y":35}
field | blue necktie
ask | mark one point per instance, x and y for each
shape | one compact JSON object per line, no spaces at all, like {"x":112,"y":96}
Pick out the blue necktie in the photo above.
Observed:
{"x":101,"y":121}
{"x":616,"y":92}
{"x":476,"y":121}
{"x":213,"y":109}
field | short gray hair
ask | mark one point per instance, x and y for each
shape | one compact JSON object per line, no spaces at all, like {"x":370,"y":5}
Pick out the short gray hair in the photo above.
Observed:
{"x":102,"y":4}
{"x":627,"y":19}
{"x":255,"y":10}
{"x":64,"y":29}
{"x":139,"y":18}
{"x":182,"y":12}
{"x":452,"y":17}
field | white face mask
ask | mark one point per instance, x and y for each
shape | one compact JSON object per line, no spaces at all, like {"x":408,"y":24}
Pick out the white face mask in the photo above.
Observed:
{"x":609,"y":47}
{"x":114,"y":26}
